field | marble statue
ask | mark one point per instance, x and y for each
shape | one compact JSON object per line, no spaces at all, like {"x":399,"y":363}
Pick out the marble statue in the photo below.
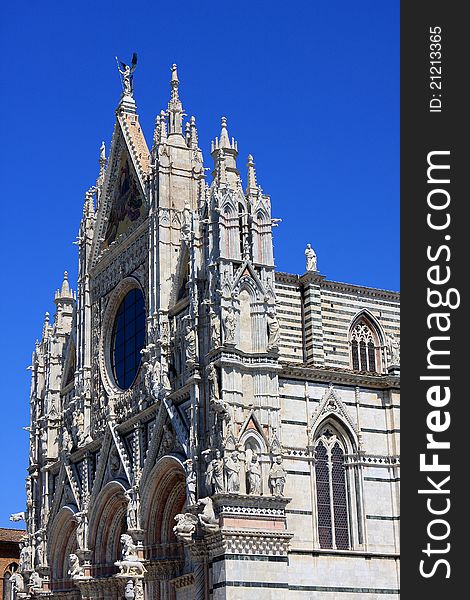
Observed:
{"x":277,"y":477}
{"x":274,"y":333}
{"x":232,"y":471}
{"x":207,"y":517}
{"x":254,"y":476}
{"x":230,"y":324}
{"x":185,"y":526}
{"x":75,"y":569}
{"x":215,"y":474}
{"x":311,"y":259}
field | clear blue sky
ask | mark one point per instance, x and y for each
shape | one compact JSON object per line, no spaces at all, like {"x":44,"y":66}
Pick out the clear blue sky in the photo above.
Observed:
{"x":310,"y":88}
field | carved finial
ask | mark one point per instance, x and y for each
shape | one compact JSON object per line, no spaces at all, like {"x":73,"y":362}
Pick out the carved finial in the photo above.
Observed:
{"x":193,"y":138}
{"x":224,"y":139}
{"x":175,"y":108}
{"x":163,"y":133}
{"x":102,"y":160}
{"x":251,"y":187}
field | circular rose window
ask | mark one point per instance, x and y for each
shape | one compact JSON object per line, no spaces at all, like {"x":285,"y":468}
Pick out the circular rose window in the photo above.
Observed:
{"x":128,"y":338}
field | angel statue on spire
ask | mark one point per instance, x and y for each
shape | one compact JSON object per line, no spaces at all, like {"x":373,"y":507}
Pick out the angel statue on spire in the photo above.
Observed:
{"x":127,"y":73}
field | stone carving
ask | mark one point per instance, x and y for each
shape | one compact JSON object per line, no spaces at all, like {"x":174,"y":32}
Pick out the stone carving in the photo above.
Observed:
{"x":152,"y":374}
{"x":127,"y":73}
{"x":132,"y":514}
{"x":25,"y":563}
{"x":207,"y":518}
{"x":274,"y":333}
{"x":35,"y":582}
{"x":230,"y":325}
{"x":277,"y":477}
{"x":134,"y":590}
{"x":185,"y":526}
{"x":215,"y":474}
{"x":75,"y":569}
{"x":40,"y":548}
{"x":190,"y":349}
{"x":232,"y":470}
{"x":191,"y":482}
{"x":17,"y":583}
{"x":15,"y":517}
{"x":81,"y":519}
{"x":130,"y":563}
{"x":129,"y":592}
{"x":213,"y":382}
{"x":215,"y":330}
{"x":254,"y":476}
{"x":393,"y":348}
{"x":311,"y":259}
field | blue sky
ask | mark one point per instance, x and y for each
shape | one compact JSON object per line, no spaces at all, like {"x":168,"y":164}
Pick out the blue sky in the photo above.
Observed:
{"x":310,"y":89}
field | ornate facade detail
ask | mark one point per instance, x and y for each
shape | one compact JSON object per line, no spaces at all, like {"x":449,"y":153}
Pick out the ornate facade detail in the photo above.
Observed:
{"x":161,"y":437}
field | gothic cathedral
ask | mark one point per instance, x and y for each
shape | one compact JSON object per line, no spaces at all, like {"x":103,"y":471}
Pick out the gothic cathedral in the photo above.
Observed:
{"x":204,"y":427}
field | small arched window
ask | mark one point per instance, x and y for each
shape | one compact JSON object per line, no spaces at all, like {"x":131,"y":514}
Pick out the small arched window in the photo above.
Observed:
{"x":331,"y":491}
{"x":365,"y":347}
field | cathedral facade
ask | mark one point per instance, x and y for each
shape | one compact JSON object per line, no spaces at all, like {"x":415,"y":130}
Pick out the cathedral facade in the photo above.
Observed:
{"x":202,"y":425}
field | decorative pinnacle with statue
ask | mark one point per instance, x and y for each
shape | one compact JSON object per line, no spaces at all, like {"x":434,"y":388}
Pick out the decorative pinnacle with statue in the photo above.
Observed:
{"x":311,"y":259}
{"x":127,"y":74}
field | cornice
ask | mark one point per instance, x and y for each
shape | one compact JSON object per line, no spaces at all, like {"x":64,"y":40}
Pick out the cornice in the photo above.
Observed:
{"x":338,"y":376}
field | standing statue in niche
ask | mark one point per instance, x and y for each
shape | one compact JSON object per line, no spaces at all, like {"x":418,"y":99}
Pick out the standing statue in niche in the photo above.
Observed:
{"x":232,"y":470}
{"x":132,"y":509}
{"x":190,"y":339}
{"x":215,"y":475}
{"x":191,"y":482}
{"x":274,"y":332}
{"x":393,"y":347}
{"x":215,"y":330}
{"x":311,"y":259}
{"x":213,"y":382}
{"x":230,"y":324}
{"x":277,"y":477}
{"x":25,"y":557}
{"x":254,"y":476}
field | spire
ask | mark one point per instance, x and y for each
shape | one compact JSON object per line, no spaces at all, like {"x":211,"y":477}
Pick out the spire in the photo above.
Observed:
{"x":65,"y":293}
{"x":102,"y":160}
{"x":226,"y":151}
{"x":193,"y":139}
{"x":224,"y":140}
{"x":175,"y":108}
{"x":45,"y":327}
{"x":89,"y":204}
{"x":251,"y":187}
{"x":102,"y":163}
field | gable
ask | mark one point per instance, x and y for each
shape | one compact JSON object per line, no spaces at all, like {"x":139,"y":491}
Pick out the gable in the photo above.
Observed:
{"x":126,"y":201}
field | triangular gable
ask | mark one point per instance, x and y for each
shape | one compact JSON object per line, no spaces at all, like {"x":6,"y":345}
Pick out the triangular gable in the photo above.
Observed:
{"x":332,"y":405}
{"x":123,"y":204}
{"x":246,"y":272}
{"x":252,"y":423}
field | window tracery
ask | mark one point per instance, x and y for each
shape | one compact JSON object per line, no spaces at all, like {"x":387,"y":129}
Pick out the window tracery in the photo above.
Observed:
{"x":332,"y":497}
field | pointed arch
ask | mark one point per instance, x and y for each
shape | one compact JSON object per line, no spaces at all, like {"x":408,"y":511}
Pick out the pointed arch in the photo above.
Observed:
{"x":106,"y":525}
{"x":162,"y":498}
{"x":62,"y":542}
{"x":333,"y":502}
{"x":366,"y":342}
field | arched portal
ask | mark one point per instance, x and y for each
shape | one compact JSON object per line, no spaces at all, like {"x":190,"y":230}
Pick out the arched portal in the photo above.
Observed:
{"x":106,"y":525}
{"x":62,"y":543}
{"x":163,"y":497}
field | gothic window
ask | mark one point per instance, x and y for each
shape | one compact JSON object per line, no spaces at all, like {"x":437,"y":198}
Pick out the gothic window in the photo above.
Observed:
{"x":365,"y":347}
{"x":128,"y":338}
{"x":332,"y":497}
